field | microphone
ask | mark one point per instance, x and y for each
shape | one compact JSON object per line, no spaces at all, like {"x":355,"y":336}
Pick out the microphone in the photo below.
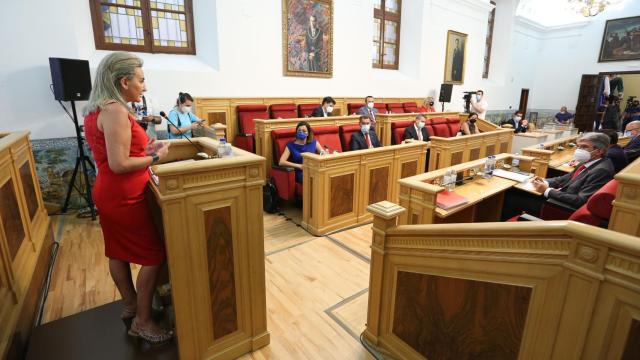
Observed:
{"x":201,"y":154}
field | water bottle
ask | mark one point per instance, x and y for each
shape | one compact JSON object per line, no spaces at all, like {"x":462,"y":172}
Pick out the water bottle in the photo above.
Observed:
{"x":452,"y":180}
{"x":222,"y":148}
{"x":228,"y":149}
{"x":446,"y":179}
{"x":541,"y":146}
{"x":515,"y":162}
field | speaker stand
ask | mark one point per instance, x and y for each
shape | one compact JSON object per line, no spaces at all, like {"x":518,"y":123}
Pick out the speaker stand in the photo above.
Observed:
{"x":82,"y":161}
{"x":442,"y":107}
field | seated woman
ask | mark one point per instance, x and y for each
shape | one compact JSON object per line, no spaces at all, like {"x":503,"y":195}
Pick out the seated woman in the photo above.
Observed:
{"x":304,"y":142}
{"x":182,"y":118}
{"x":469,"y":127}
{"x":427,"y":105}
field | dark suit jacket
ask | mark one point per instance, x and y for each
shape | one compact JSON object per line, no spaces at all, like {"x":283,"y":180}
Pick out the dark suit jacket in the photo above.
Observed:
{"x":364,"y":110}
{"x":632,"y":149}
{"x":317,"y":112}
{"x":617,"y":157}
{"x":510,"y":122}
{"x":358,"y":142}
{"x":576,"y":192}
{"x":410,"y":133}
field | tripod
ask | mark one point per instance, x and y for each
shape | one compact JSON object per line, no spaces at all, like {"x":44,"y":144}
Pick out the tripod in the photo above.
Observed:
{"x":81,"y":162}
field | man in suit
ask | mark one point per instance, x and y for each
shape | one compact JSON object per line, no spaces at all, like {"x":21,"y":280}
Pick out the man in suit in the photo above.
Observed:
{"x":325,"y":109}
{"x":368,"y":110}
{"x":417,"y":131}
{"x":632,"y":149}
{"x":514,"y":121}
{"x":615,"y":152}
{"x":593,"y":171}
{"x":366,"y":138}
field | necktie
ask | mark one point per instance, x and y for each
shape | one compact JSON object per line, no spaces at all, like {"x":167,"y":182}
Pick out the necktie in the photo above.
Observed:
{"x":419,"y":131}
{"x":579,"y":170}
{"x":366,"y":137}
{"x":372,"y":116}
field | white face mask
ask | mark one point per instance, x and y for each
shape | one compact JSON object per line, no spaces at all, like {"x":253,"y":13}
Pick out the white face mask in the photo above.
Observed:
{"x":562,"y":112}
{"x":517,"y":118}
{"x":628,"y":133}
{"x":186,"y":109}
{"x":478,"y":97}
{"x":365,"y":128}
{"x":370,"y":105}
{"x":581,"y":156}
{"x":329,"y":108}
{"x":420,"y":124}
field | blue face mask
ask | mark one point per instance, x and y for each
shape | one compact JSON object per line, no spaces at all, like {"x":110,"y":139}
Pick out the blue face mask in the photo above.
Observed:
{"x":365,"y":128}
{"x":301,"y":135}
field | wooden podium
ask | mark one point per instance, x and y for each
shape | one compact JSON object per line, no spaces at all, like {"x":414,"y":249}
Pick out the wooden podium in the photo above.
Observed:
{"x":210,"y":212}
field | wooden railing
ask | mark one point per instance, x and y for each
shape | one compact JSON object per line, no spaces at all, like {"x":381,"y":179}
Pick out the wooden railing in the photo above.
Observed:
{"x":384,"y":121}
{"x":445,"y":152}
{"x":534,"y":290}
{"x":625,"y":217}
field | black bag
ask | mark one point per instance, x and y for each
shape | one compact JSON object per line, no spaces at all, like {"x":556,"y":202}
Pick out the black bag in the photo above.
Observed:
{"x":270,"y":197}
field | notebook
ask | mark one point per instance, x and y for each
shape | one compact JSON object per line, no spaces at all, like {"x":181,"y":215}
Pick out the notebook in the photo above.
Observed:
{"x":448,"y":199}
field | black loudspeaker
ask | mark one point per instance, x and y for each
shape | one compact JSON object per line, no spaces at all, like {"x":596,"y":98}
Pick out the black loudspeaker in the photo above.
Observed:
{"x":445,"y":93}
{"x":71,"y":79}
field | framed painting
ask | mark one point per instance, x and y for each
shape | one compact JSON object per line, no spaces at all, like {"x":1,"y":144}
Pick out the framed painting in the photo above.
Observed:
{"x":454,"y":60}
{"x":621,"y":40}
{"x":307,"y":38}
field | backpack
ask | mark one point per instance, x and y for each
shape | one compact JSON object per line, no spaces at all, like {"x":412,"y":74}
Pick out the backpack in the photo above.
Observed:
{"x":270,"y":197}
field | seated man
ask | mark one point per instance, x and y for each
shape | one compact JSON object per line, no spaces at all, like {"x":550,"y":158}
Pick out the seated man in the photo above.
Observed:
{"x":369,"y":110}
{"x":563,"y":117}
{"x":417,"y":131}
{"x":593,"y":170}
{"x":615,"y":152}
{"x":366,"y":138}
{"x":517,"y":116}
{"x":523,"y":126}
{"x":325,"y":109}
{"x":632,"y":149}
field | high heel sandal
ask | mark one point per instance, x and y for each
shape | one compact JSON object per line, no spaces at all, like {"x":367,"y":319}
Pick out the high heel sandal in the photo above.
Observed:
{"x":160,"y":338}
{"x":127,"y":317}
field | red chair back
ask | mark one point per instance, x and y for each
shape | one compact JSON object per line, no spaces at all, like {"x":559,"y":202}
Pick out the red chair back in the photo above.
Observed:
{"x":305,"y":110}
{"x":440,"y":127}
{"x":280,"y":138}
{"x":283,"y":111}
{"x":247,"y":114}
{"x":397,"y":130}
{"x":345,"y":134}
{"x":410,"y":107}
{"x":353,"y":108}
{"x":395,"y":108}
{"x":328,"y":136}
{"x":597,"y":210}
{"x":454,"y":125}
{"x":382,"y":107}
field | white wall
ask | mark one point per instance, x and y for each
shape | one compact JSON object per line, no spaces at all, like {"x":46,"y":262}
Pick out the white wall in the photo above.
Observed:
{"x":239,"y":53}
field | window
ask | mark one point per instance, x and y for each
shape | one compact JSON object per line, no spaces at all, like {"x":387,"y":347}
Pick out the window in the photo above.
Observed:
{"x":386,"y":34}
{"x":156,"y":26}
{"x":487,"y":46}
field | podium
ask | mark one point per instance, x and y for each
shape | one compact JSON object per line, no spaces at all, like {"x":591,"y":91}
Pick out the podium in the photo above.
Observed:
{"x":210,"y":215}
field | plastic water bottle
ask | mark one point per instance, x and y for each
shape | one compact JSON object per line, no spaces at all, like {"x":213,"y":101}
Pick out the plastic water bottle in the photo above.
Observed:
{"x":452,"y":180}
{"x":228,"y":149}
{"x":222,"y":148}
{"x":446,"y":179}
{"x":515,"y":162}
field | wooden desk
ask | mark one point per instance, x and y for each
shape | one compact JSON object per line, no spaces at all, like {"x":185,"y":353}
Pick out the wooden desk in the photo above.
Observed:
{"x":418,"y":194}
{"x":264,"y":143}
{"x":384,"y":121}
{"x":25,"y":242}
{"x":553,"y":134}
{"x":337,"y":188}
{"x":566,"y":130}
{"x":444,"y":152}
{"x":522,"y":140}
{"x":210,"y":213}
{"x":625,"y":216}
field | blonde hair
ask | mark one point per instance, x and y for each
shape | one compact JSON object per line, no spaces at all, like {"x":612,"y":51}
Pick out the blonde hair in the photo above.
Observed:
{"x":106,"y":86}
{"x":427,"y":100}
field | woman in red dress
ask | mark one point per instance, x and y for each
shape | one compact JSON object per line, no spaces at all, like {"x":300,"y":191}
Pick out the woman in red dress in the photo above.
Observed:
{"x":123,"y":154}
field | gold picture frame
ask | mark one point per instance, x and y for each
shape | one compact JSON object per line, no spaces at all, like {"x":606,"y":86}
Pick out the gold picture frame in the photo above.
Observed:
{"x":454,"y":65}
{"x":307,"y":44}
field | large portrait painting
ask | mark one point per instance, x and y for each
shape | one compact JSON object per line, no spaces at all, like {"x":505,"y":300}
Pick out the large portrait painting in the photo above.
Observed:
{"x":307,"y":44}
{"x":454,"y":61}
{"x":621,"y":40}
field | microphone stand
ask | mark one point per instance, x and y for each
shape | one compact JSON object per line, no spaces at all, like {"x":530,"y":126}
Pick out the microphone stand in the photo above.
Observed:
{"x":200,"y":150}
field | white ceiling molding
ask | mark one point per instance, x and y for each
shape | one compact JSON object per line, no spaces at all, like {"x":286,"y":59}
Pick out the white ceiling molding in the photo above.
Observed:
{"x":477,"y":9}
{"x":535,"y":30}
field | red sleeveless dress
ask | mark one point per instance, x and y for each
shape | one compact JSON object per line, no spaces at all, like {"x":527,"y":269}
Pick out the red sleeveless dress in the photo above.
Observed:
{"x":128,"y":230}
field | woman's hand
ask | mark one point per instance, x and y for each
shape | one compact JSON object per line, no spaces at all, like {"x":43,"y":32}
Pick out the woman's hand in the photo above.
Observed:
{"x":163,"y":150}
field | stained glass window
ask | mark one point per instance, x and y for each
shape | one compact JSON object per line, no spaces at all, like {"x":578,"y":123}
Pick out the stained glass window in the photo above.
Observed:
{"x":386,"y":39}
{"x":143,"y":25}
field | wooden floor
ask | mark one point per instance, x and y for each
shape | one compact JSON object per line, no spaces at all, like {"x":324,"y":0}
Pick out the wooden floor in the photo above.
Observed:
{"x":316,"y":286}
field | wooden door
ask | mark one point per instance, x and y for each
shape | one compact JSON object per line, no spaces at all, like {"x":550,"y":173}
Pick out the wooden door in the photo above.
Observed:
{"x":587,"y":106}
{"x":524,"y":100}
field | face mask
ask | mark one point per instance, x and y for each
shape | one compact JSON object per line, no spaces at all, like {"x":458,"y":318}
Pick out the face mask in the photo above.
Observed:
{"x":431,"y":103}
{"x":186,"y":109}
{"x":581,"y":155}
{"x":562,"y":112}
{"x":300,"y":135}
{"x":473,"y":121}
{"x":370,"y":105}
{"x":365,"y":128}
{"x":329,"y":108}
{"x":420,"y":124}
{"x":517,"y":118}
{"x":478,"y":97}
{"x":628,"y":133}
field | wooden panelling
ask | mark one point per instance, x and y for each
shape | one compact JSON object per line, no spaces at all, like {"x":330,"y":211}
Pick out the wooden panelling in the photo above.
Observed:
{"x":443,"y":151}
{"x":474,"y":154}
{"x":378,"y":184}
{"x":30,"y":195}
{"x":10,"y":215}
{"x":625,"y":216}
{"x":632,"y":345}
{"x":447,"y":318}
{"x":409,"y":168}
{"x":456,"y":158}
{"x":504,"y":147}
{"x":222,"y":287}
{"x":491,"y":150}
{"x":341,"y":190}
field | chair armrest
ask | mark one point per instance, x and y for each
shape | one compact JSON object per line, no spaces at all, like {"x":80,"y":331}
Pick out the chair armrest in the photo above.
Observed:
{"x":284,"y":178}
{"x":527,"y":217}
{"x":561,"y":205}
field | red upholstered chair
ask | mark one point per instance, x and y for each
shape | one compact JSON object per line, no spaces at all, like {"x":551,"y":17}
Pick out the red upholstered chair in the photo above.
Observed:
{"x":284,"y":178}
{"x":345,"y":135}
{"x":397,"y":130}
{"x":454,"y":126}
{"x":305,"y":110}
{"x":410,"y":107}
{"x":247,"y":129}
{"x":283,"y":111}
{"x":382,"y":107}
{"x":329,"y":137}
{"x":395,"y":108}
{"x":440,"y":127}
{"x":353,"y":108}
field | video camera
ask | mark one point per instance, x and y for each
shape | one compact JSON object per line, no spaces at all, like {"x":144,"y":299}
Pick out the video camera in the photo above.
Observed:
{"x":467,"y":100}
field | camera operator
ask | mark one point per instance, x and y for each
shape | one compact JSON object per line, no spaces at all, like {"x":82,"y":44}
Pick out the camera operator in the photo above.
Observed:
{"x":611,"y":118}
{"x":479,"y":104}
{"x":631,"y":112}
